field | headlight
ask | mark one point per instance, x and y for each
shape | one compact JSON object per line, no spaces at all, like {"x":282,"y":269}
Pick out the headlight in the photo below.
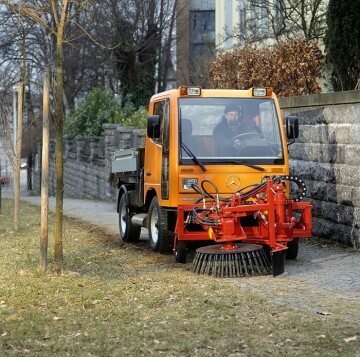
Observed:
{"x":187,"y":182}
{"x":190,"y":91}
{"x":262,"y":92}
{"x":259,"y":92}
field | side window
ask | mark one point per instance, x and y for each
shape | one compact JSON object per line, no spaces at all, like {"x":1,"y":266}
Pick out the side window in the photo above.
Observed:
{"x":270,"y":128}
{"x":159,"y":110}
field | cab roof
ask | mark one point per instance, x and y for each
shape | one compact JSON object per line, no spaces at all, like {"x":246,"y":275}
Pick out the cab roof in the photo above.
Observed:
{"x":212,"y":93}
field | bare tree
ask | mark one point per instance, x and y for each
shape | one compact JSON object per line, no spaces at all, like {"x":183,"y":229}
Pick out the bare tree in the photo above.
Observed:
{"x":53,"y":16}
{"x":6,"y":132}
{"x":141,"y":35}
{"x":21,"y":28}
{"x":280,"y":19}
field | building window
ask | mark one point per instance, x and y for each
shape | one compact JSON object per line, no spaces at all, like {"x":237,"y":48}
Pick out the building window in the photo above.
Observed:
{"x":259,"y":19}
{"x":278,"y":16}
{"x":264,"y":19}
{"x":242,"y":19}
{"x":202,"y":33}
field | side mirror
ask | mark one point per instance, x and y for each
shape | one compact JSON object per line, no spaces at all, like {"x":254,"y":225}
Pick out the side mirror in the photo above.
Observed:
{"x":153,"y":126}
{"x":292,"y":127}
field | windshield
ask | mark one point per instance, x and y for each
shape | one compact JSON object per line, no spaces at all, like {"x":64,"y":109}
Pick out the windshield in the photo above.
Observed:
{"x":229,"y":130}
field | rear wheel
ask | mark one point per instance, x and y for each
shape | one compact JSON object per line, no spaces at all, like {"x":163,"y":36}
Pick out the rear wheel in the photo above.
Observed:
{"x":293,"y":249}
{"x":128,"y":231}
{"x":159,"y":236}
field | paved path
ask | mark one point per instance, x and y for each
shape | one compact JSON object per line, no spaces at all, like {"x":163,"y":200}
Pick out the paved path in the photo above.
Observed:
{"x":97,"y":212}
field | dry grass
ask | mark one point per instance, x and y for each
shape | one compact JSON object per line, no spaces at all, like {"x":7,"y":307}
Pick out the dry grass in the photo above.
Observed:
{"x":124,"y":300}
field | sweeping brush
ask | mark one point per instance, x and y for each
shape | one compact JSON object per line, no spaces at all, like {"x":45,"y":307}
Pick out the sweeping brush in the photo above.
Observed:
{"x":242,"y":260}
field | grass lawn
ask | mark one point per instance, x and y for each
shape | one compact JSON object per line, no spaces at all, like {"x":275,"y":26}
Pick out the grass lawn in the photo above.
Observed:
{"x":114,"y":299}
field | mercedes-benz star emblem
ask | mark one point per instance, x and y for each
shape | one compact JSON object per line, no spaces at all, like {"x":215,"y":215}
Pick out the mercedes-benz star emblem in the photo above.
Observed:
{"x":233,"y":183}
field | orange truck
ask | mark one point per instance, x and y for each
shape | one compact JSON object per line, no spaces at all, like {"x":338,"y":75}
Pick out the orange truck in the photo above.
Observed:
{"x":215,"y":171}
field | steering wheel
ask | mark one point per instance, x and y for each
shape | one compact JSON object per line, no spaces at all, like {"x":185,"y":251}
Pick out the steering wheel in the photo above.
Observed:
{"x":248,"y":141}
{"x":248,"y":135}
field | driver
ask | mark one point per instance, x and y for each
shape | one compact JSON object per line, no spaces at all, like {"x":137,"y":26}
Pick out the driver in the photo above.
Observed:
{"x":251,"y":119}
{"x":229,"y":125}
{"x":226,"y":129}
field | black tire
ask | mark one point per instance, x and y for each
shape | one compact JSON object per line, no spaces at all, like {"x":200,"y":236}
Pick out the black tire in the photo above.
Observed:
{"x":159,"y":236}
{"x":293,"y":249}
{"x":180,"y":251}
{"x":128,"y":231}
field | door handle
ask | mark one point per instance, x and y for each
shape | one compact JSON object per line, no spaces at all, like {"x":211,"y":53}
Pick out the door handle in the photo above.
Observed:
{"x":148,"y":173}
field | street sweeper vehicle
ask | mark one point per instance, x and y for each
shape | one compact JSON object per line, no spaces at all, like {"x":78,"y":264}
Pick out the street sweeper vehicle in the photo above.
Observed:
{"x":214,"y":173}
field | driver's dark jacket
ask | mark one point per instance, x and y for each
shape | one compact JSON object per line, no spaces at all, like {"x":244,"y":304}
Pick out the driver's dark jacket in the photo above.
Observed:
{"x":223,"y":135}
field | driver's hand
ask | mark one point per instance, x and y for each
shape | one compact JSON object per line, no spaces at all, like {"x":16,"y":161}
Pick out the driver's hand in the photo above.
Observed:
{"x":236,"y":144}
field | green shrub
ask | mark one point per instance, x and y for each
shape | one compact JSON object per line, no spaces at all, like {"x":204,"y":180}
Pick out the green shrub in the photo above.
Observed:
{"x":100,"y":107}
{"x":342,"y":45}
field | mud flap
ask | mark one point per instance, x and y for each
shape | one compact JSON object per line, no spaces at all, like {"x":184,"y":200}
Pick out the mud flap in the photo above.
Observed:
{"x":278,"y":262}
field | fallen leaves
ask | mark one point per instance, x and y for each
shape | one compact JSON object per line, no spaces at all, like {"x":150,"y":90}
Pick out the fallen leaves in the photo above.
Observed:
{"x":350,"y":339}
{"x":325,"y":313}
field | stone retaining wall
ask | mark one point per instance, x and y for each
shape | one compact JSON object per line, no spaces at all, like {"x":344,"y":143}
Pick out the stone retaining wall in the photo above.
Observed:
{"x":87,"y":162}
{"x":327,"y":156}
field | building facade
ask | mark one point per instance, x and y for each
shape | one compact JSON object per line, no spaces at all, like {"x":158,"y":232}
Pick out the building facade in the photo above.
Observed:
{"x":205,"y":27}
{"x":195,"y":39}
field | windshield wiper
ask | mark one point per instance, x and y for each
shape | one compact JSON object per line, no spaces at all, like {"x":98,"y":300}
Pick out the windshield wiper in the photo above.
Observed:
{"x":193,"y":156}
{"x":246,"y":164}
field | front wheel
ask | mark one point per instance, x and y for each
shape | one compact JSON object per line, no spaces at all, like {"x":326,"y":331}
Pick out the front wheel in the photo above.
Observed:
{"x":159,"y":236}
{"x":128,"y":231}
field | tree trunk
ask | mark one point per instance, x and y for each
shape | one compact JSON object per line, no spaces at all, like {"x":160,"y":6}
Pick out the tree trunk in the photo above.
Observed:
{"x":59,"y":90}
{"x":20,"y":89}
{"x":0,"y":192}
{"x":45,"y":176}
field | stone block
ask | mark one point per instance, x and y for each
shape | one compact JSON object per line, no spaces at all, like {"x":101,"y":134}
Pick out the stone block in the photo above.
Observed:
{"x":337,"y":213}
{"x":322,"y":228}
{"x":317,"y":190}
{"x":349,"y":113}
{"x":339,"y":194}
{"x":343,"y":113}
{"x":356,"y":214}
{"x":349,"y":175}
{"x":307,"y":116}
{"x":339,"y":133}
{"x":305,"y":133}
{"x":355,"y":134}
{"x":348,"y":235}
{"x":300,"y":151}
{"x":304,"y":169}
{"x":332,"y":134}
{"x":352,"y":155}
{"x":319,"y":133}
{"x":327,"y":153}
{"x":355,"y":196}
